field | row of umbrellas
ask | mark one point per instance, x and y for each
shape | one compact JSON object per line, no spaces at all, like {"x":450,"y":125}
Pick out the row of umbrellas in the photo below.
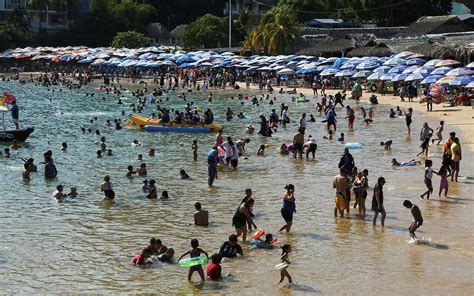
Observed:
{"x":405,"y":66}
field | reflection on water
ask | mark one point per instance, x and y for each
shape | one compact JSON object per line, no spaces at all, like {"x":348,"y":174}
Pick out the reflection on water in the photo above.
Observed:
{"x":85,"y":245}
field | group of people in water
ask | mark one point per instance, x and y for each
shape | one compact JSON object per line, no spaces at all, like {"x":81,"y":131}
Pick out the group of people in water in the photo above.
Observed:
{"x":349,"y":182}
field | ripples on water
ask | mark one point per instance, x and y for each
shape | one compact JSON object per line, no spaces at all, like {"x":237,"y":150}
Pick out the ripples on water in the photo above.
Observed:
{"x":83,"y":245}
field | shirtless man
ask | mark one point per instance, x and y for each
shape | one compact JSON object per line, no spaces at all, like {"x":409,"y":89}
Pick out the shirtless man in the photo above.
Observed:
{"x":298,"y":142}
{"x":58,"y":193}
{"x":340,"y":184}
{"x":201,"y":217}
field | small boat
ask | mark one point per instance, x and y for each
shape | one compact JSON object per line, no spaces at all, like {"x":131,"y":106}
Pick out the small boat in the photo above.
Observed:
{"x":142,"y":121}
{"x":177,"y":129}
{"x":13,"y":134}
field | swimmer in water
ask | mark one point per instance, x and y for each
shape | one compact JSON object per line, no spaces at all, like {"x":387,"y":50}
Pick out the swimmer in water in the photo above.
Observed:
{"x":151,"y":152}
{"x":285,"y":250}
{"x":7,"y":152}
{"x":183,"y":175}
{"x":201,"y":217}
{"x":151,"y":190}
{"x":135,"y":143}
{"x":142,"y":258}
{"x":130,"y":171}
{"x":195,"y":252}
{"x":72,"y":193}
{"x":284,"y":149}
{"x":145,"y":187}
{"x":310,"y":146}
{"x":341,"y":138}
{"x":99,"y":153}
{"x":15,"y":145}
{"x":58,"y":193}
{"x":194,"y":147}
{"x":214,"y":269}
{"x":164,"y":195}
{"x":411,"y":162}
{"x":261,"y":150}
{"x":109,"y":152}
{"x":140,"y":157}
{"x":415,"y":211}
{"x":250,"y":129}
{"x":142,"y":172}
{"x":329,"y":136}
{"x":64,"y":146}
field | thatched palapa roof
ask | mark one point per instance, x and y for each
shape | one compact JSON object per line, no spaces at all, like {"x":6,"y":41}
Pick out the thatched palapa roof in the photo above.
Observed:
{"x":158,"y":31}
{"x":434,"y":25}
{"x":331,"y":46}
{"x":377,"y":50}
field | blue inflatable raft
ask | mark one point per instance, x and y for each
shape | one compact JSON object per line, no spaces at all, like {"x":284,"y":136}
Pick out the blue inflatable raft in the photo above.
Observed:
{"x":176,"y":129}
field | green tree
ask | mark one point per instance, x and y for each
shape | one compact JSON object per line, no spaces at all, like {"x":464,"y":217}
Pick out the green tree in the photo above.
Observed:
{"x":39,"y":6}
{"x":205,"y":32}
{"x":278,"y":28}
{"x":130,"y":39}
{"x":19,"y":19}
{"x":11,"y":37}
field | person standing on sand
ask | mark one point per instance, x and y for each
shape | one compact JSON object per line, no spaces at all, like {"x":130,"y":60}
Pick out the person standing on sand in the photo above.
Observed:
{"x":377,"y":202}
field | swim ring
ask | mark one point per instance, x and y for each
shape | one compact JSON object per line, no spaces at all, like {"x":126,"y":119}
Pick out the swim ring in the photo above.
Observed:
{"x":188,"y":262}
{"x":354,"y":145}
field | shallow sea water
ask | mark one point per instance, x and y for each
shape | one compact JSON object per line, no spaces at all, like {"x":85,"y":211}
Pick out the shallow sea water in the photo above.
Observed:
{"x":85,"y":246}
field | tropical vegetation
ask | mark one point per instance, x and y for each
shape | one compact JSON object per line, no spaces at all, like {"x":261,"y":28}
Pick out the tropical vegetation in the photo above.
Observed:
{"x":276,"y":31}
{"x":130,"y":39}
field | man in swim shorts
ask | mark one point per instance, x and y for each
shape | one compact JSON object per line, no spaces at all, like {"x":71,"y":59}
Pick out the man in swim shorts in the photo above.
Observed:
{"x":201,"y":217}
{"x":415,"y":211}
{"x":340,"y":184}
{"x":298,"y":142}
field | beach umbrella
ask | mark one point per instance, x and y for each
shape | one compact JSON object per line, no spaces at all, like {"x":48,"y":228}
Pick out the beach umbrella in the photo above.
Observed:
{"x":444,"y":63}
{"x":415,"y":61}
{"x":441,"y":71}
{"x":169,"y":63}
{"x":322,"y":68}
{"x":349,"y":65}
{"x":375,"y":76}
{"x":431,"y":79}
{"x":403,"y":54}
{"x":414,"y":56}
{"x":345,"y":73}
{"x":280,"y":67}
{"x":461,"y":80}
{"x":382,"y":69}
{"x":424,"y":70}
{"x":470,"y":85}
{"x":362,"y":74}
{"x":397,"y":69}
{"x":394,"y":62}
{"x":367,"y":66}
{"x":328,"y":61}
{"x":432,"y":63}
{"x":266,"y":68}
{"x":460,"y":72}
{"x":387,"y":76}
{"x":410,"y":69}
{"x":399,"y":77}
{"x":446,"y":79}
{"x":286,"y":71}
{"x":328,"y":72}
{"x":470,"y":65}
{"x":85,"y":61}
{"x":415,"y":77}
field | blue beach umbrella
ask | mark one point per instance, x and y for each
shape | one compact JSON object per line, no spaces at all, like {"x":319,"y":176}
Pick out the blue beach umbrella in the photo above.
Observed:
{"x":387,"y":76}
{"x":415,"y":77}
{"x":382,"y":69}
{"x":367,"y":66}
{"x":399,"y":77}
{"x":460,"y":72}
{"x":410,"y":69}
{"x":431,"y":79}
{"x":441,"y":71}
{"x":416,"y":61}
{"x":424,"y":70}
{"x":375,"y":76}
{"x":362,"y":74}
{"x":345,"y":73}
{"x":394,"y":62}
{"x":397,"y":69}
{"x":328,"y":72}
{"x":461,"y":81}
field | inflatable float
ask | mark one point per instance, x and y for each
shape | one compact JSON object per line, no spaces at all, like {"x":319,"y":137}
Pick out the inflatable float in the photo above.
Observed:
{"x":176,"y":129}
{"x":354,"y":145}
{"x":142,"y":121}
{"x":188,"y":262}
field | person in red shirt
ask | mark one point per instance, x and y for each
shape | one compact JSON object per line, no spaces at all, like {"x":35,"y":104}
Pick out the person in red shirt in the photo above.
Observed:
{"x":214,"y":269}
{"x":141,"y":259}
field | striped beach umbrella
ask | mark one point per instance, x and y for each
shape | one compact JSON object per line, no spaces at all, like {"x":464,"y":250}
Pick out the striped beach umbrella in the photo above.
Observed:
{"x":470,"y":65}
{"x":399,"y":77}
{"x":362,"y":74}
{"x":441,"y":71}
{"x":394,"y":62}
{"x":415,"y":77}
{"x":367,"y":66}
{"x":387,"y":76}
{"x":345,"y":73}
{"x":397,"y":69}
{"x":410,"y":69}
{"x":424,"y":70}
{"x":470,"y":85}
{"x":446,"y":79}
{"x":415,"y":61}
{"x":375,"y":76}
{"x":403,"y":54}
{"x":448,"y":62}
{"x":431,"y":79}
{"x":460,"y":72}
{"x":382,"y":69}
{"x":461,"y":80}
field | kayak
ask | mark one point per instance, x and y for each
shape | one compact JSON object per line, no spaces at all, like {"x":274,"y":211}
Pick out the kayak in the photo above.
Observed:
{"x":178,"y":129}
{"x":142,"y":121}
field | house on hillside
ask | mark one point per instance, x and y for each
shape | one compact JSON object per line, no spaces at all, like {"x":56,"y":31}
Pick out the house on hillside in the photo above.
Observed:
{"x":255,"y":8}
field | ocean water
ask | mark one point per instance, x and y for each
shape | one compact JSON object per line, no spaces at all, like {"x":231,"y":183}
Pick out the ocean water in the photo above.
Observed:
{"x":82,"y":245}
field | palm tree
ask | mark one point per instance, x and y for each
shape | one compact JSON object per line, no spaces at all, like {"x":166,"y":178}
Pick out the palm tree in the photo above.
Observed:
{"x":276,"y":31}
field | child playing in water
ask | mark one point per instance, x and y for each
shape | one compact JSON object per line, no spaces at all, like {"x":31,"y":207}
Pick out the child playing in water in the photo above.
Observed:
{"x":329,"y":137}
{"x":411,"y":162}
{"x":183,"y":175}
{"x":142,"y":170}
{"x":141,"y":259}
{"x":284,"y":149}
{"x":415,"y":211}
{"x":195,"y":252}
{"x":387,"y":144}
{"x":425,"y":145}
{"x":443,"y":182}
{"x":438,"y":132}
{"x":195,"y":150}
{"x":151,"y":190}
{"x":263,"y":244}
{"x":286,"y":249}
{"x":130,"y":171}
{"x":428,"y":179}
{"x":72,"y":193}
{"x":214,"y":269}
{"x":261,"y":150}
{"x":341,"y":138}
